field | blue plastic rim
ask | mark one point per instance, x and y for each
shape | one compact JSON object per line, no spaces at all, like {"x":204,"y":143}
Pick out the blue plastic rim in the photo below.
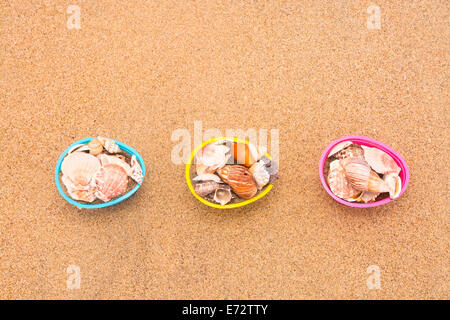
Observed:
{"x":123,"y":147}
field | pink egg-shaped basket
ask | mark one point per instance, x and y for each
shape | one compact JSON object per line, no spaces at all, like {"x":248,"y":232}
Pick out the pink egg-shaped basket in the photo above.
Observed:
{"x":404,"y":172}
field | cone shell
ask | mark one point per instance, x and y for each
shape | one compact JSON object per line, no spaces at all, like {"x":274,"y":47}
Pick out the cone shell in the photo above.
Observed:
{"x":95,"y":147}
{"x":111,"y":181}
{"x":361,"y":177}
{"x":239,"y":179}
{"x":247,"y":154}
{"x":338,"y":183}
{"x":80,"y":168}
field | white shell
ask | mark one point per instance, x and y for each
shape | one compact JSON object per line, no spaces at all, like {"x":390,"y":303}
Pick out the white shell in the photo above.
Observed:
{"x":136,"y":170}
{"x":260,"y":174}
{"x":394,"y":183}
{"x":222,"y":195}
{"x":80,"y":167}
{"x":211,"y":157}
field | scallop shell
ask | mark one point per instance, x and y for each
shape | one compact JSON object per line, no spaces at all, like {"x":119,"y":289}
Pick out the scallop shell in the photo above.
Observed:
{"x":239,"y":179}
{"x":136,"y":170}
{"x":350,"y":152}
{"x":107,"y":159}
{"x":247,"y":154}
{"x":111,"y":181}
{"x":380,"y":161}
{"x":361,"y":177}
{"x":109,"y":145}
{"x":338,"y":183}
{"x":260,"y":174}
{"x":95,"y":147}
{"x":205,"y":188}
{"x":80,"y":168}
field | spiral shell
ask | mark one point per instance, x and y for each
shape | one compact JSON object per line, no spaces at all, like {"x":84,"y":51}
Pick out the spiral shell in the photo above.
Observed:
{"x":361,"y":177}
{"x":111,"y":181}
{"x":239,"y":179}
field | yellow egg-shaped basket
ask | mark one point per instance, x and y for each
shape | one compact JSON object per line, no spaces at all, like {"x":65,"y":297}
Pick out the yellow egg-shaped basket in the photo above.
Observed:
{"x":215,"y":205}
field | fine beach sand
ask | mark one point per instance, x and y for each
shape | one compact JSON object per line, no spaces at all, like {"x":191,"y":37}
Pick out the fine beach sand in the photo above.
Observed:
{"x":138,"y":70}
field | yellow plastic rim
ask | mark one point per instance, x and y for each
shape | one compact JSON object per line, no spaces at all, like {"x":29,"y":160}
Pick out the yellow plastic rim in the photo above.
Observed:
{"x":215,"y":205}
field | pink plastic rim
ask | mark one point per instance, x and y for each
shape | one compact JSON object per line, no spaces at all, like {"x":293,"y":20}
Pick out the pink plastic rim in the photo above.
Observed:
{"x":404,"y":172}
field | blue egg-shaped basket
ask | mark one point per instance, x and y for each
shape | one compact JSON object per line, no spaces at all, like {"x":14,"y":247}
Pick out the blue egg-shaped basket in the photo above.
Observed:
{"x":123,"y":147}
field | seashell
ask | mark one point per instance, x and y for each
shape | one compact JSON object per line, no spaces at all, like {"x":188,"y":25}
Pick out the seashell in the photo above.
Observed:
{"x":239,"y":179}
{"x":111,"y":181}
{"x":350,"y":152}
{"x":136,"y":170}
{"x":339,"y":147}
{"x":222,"y":195}
{"x":380,"y":161}
{"x":260,"y":174}
{"x":205,"y":188}
{"x":207,"y":177}
{"x":86,"y":193}
{"x":80,"y":168}
{"x":247,"y":154}
{"x":211,"y":157}
{"x":95,"y":147}
{"x":338,"y":183}
{"x":361,"y":177}
{"x":109,"y":145}
{"x":394,"y":184}
{"x":107,"y":159}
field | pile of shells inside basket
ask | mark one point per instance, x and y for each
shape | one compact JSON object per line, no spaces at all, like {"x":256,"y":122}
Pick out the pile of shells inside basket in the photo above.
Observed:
{"x":358,"y":173}
{"x":99,"y":171}
{"x":231,"y":172}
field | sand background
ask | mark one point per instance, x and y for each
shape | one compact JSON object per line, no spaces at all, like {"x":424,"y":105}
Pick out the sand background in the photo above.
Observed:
{"x":137,"y":70}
